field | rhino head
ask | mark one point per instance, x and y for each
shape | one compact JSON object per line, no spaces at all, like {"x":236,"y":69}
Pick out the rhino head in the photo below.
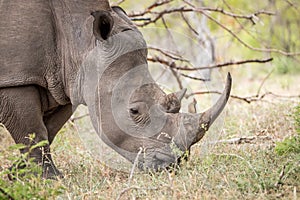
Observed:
{"x":130,"y":112}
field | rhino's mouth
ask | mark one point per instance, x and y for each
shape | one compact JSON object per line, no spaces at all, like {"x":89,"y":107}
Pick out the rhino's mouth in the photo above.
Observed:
{"x":156,"y":159}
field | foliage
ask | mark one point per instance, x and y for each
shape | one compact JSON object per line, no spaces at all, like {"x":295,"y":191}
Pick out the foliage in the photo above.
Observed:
{"x":26,"y":178}
{"x":291,"y":144}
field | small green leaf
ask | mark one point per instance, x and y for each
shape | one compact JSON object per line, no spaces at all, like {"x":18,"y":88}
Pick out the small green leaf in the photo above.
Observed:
{"x":39,"y":144}
{"x":17,"y":147}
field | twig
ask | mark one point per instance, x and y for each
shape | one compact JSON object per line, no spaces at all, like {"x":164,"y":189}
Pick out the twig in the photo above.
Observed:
{"x":126,"y":190}
{"x":248,"y":99}
{"x":6,"y":195}
{"x":242,"y":140}
{"x":241,"y":62}
{"x":119,"y":2}
{"x":222,"y":11}
{"x":219,"y":65}
{"x":291,"y":4}
{"x":149,"y":8}
{"x":133,"y":188}
{"x":284,"y":96}
{"x":175,"y":74}
{"x":263,"y":82}
{"x":168,"y":54}
{"x":280,"y":176}
{"x":140,"y":19}
{"x":188,"y":24}
{"x":203,"y":10}
{"x":194,"y":78}
{"x":134,"y":165}
{"x":247,"y":45}
{"x":79,"y":117}
{"x":250,"y":17}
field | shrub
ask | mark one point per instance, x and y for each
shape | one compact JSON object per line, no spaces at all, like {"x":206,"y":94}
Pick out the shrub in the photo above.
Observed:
{"x":27,"y":182}
{"x":292,"y":144}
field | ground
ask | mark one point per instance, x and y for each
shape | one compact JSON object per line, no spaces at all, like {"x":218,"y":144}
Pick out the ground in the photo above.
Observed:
{"x":248,"y":168}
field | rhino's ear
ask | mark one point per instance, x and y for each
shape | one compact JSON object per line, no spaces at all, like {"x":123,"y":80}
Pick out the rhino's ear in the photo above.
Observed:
{"x":102,"y":25}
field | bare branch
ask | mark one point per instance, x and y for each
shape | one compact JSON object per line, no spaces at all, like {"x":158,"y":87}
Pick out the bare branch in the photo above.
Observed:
{"x":203,"y":10}
{"x":141,"y":19}
{"x":169,"y":54}
{"x":149,"y":8}
{"x":194,"y":78}
{"x":243,"y":140}
{"x":248,"y":99}
{"x":247,"y":45}
{"x":220,"y":65}
{"x":175,"y":74}
{"x":228,"y":64}
{"x":252,"y":17}
{"x":263,"y":81}
{"x":188,"y":24}
{"x":120,"y":1}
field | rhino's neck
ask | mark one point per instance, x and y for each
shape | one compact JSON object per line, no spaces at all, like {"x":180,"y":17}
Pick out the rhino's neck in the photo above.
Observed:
{"x":74,"y":37}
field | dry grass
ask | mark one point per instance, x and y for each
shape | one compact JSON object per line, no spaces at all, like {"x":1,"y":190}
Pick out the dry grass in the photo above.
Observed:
{"x":229,"y":171}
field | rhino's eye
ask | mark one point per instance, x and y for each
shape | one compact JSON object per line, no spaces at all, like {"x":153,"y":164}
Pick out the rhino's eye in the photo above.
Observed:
{"x":139,"y":113}
{"x":134,"y":111}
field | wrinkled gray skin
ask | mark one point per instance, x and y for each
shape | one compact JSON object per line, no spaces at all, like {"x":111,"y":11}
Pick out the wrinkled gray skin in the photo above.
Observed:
{"x":49,"y":53}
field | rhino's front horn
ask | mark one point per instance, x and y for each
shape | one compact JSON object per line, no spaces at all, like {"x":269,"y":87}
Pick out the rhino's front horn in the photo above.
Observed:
{"x":208,"y":117}
{"x":211,"y":114}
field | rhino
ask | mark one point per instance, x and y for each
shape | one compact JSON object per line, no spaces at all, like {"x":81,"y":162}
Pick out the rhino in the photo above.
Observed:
{"x":58,"y":54}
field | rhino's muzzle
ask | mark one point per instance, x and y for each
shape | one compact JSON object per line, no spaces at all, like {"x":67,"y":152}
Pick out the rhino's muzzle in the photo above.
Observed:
{"x":182,"y":130}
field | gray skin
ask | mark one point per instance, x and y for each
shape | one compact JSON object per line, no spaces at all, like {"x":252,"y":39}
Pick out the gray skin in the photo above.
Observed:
{"x":55,"y":55}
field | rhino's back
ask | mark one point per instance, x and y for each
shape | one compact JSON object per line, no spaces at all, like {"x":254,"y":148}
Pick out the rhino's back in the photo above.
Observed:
{"x":27,"y":43}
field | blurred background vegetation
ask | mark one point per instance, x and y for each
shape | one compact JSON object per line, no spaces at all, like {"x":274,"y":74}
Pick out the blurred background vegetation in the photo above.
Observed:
{"x":238,"y":29}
